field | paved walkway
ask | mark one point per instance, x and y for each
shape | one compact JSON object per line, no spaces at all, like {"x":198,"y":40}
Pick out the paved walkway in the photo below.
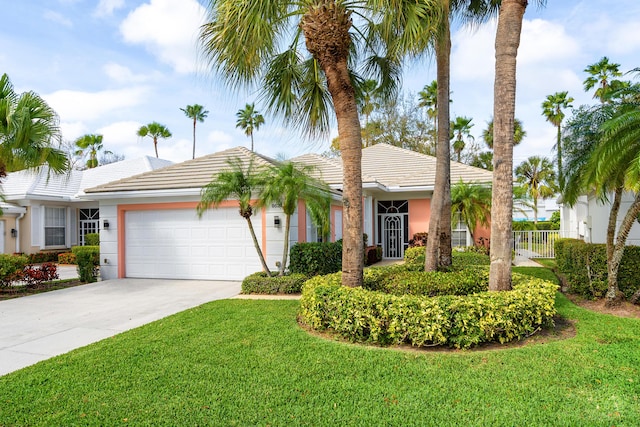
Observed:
{"x":41,"y":326}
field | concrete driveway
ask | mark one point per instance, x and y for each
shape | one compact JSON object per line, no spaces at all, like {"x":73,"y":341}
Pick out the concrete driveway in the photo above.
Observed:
{"x":38,"y":327}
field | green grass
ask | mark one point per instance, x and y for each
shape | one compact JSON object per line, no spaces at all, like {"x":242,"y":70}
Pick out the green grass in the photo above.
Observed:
{"x":239,"y":362}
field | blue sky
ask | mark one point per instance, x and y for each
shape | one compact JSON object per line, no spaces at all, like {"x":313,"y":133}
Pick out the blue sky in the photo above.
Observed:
{"x":109,"y":66}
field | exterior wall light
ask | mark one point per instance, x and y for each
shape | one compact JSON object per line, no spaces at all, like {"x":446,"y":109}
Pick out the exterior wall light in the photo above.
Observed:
{"x":276,"y":221}
{"x":106,"y":224}
{"x":14,"y":232}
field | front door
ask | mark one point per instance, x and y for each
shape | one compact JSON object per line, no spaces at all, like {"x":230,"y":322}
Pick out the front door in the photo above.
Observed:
{"x":393,"y":231}
{"x":393,"y":245}
{"x":89,"y":223}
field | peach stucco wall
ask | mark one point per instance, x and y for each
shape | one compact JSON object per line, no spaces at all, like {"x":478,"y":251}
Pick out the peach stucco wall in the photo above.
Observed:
{"x":419,"y":212}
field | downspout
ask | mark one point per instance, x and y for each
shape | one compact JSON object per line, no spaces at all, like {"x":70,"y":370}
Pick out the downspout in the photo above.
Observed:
{"x":18,"y":218}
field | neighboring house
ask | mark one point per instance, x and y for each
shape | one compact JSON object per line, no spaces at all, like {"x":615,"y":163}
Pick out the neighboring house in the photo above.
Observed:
{"x":546,"y":207}
{"x":588,"y":219}
{"x":44,"y":211}
{"x":154,"y":231}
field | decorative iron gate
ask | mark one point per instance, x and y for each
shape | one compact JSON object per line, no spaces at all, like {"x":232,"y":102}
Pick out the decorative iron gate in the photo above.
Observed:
{"x":535,"y":244}
{"x":393,"y":236}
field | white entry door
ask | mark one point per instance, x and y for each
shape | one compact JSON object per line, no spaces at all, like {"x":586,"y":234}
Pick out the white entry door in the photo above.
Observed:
{"x":176,"y":244}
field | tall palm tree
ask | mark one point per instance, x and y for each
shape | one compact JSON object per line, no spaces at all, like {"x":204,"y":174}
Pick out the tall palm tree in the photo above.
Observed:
{"x":536,"y":174}
{"x":438,"y":250}
{"x":508,"y":33}
{"x":154,"y":130}
{"x":552,"y":110}
{"x":29,"y":132}
{"x":473,"y":203}
{"x":518,"y":133}
{"x":483,"y":160}
{"x":249,"y":120}
{"x":602,"y":74}
{"x":240,"y":182}
{"x":460,"y":129}
{"x":91,"y":143}
{"x":248,"y":41}
{"x":197,"y":113}
{"x":288,"y":183}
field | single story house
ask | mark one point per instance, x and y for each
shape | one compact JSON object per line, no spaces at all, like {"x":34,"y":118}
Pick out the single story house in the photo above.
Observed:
{"x":45,"y":211}
{"x":150,"y":228}
{"x":588,"y":219}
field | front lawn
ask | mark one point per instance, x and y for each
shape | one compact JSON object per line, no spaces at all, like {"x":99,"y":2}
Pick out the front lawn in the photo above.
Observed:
{"x":238,"y":362}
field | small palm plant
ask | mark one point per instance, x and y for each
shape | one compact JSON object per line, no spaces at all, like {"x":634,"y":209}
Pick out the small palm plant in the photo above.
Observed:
{"x":238,"y":182}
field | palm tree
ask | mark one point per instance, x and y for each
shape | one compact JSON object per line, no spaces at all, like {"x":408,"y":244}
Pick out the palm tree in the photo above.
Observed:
{"x":367,"y":103}
{"x":249,"y":120}
{"x":483,"y":160}
{"x":240,"y":182}
{"x":93,"y":144}
{"x":552,"y":110}
{"x":154,"y":130}
{"x":249,"y":42}
{"x":197,"y":113}
{"x":473,"y":203}
{"x":601,"y":74}
{"x":460,"y":129}
{"x":428,"y":97}
{"x":537,"y":176}
{"x":28,"y":132}
{"x":518,"y":133}
{"x":288,"y":183}
{"x":504,"y":103}
{"x":438,"y":251}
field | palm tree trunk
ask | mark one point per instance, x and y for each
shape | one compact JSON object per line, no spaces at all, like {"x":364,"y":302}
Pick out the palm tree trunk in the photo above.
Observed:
{"x":613,"y":219}
{"x":438,"y":250}
{"x":535,"y":213}
{"x":285,"y":250}
{"x":251,"y":141}
{"x":193,"y":156}
{"x":614,"y":296}
{"x":155,"y":146}
{"x":265,"y":268}
{"x":504,"y":100}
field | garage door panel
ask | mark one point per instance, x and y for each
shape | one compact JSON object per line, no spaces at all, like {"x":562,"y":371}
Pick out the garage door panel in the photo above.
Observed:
{"x":177,"y":244}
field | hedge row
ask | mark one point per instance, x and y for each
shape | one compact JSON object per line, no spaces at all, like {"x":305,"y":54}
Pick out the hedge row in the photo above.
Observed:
{"x":10,"y":267}
{"x":414,"y":258}
{"x":367,"y":316}
{"x":316,"y":258}
{"x":584,"y":267}
{"x":396,"y":280}
{"x":260,"y":283}
{"x":88,"y":260}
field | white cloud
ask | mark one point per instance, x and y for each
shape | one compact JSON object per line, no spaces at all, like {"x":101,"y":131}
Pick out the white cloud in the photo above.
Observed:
{"x":121,"y":74}
{"x":168,"y":29}
{"x":624,"y":38}
{"x":472,"y":53}
{"x":56,"y":17}
{"x":106,"y":7}
{"x":73,"y":130}
{"x":78,"y":106}
{"x":545,"y":42}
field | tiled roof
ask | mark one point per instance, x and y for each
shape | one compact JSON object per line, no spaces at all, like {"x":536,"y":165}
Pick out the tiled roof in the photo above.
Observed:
{"x":189,"y":174}
{"x":42,"y":184}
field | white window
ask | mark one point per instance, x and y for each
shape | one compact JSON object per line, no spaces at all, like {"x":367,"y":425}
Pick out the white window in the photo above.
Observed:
{"x":313,"y":233}
{"x":458,"y":231}
{"x":54,"y":226}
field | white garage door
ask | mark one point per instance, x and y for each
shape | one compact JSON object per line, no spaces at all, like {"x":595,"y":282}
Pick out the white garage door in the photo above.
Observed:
{"x":176,"y":244}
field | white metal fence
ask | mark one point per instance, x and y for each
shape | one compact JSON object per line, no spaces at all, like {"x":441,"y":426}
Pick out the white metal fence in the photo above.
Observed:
{"x":535,"y":244}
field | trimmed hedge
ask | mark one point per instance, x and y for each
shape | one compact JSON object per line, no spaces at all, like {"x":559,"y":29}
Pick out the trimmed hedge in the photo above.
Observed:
{"x":414,"y":258}
{"x":312,"y":259}
{"x":367,"y":316}
{"x":260,"y":283}
{"x":396,"y":281}
{"x":584,"y":268}
{"x":10,"y":268}
{"x":88,"y":259}
{"x":92,"y":239}
{"x":67,"y":258}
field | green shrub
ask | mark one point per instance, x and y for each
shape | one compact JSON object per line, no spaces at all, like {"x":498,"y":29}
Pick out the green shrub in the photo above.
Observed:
{"x":312,"y":259}
{"x":43,"y":256}
{"x":393,"y":280}
{"x":361,"y":315}
{"x":584,"y":268}
{"x":88,"y":259}
{"x":260,"y":283}
{"x":10,"y":268}
{"x":414,"y":257}
{"x":66,"y":258}
{"x":92,"y":239}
